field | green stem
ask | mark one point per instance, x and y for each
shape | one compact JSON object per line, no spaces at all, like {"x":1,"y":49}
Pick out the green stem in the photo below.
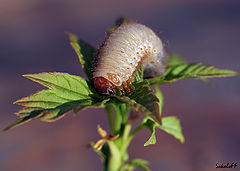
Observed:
{"x":126,"y":131}
{"x":110,"y":118}
{"x":125,"y":108}
{"x":118,"y":155}
{"x":125,"y":142}
{"x":114,"y":163}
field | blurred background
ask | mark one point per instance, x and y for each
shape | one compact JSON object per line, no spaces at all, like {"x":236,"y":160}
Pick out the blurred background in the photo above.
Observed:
{"x":32,"y":40}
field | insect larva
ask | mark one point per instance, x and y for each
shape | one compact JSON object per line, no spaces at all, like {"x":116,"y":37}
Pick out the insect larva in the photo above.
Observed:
{"x":120,"y":55}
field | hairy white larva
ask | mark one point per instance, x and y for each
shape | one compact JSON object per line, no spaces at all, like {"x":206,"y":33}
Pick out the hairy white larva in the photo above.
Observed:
{"x":122,"y":52}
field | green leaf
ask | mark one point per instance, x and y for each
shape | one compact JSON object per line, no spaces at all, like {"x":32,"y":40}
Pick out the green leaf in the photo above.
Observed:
{"x":170,"y":124}
{"x":69,"y":87}
{"x":130,"y":166}
{"x":138,"y":75}
{"x":183,"y":71}
{"x":143,"y":100}
{"x":159,"y":95}
{"x":21,"y":120}
{"x":53,"y":114}
{"x":42,"y":99}
{"x":58,"y":112}
{"x":176,"y":60}
{"x":85,"y":52}
{"x":64,"y":88}
{"x":143,"y":95}
{"x":66,"y":92}
{"x":91,"y":103}
{"x":26,"y":111}
{"x":149,"y":124}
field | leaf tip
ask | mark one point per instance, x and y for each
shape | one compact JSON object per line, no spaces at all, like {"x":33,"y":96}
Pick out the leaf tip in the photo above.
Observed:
{"x":72,"y":37}
{"x":182,"y":140}
{"x":27,"y":76}
{"x":10,"y":127}
{"x":147,"y":144}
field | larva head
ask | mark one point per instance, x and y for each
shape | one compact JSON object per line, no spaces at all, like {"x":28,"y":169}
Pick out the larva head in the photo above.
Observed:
{"x":104,"y":86}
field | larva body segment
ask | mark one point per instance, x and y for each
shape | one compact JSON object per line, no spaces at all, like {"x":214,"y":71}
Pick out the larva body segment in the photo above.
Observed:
{"x":122,"y":52}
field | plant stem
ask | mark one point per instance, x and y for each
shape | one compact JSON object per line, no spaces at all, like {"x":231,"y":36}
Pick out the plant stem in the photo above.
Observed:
{"x":114,"y":163}
{"x":118,"y":155}
{"x":125,"y":142}
{"x":125,"y":111}
{"x":126,"y":131}
{"x":110,"y":118}
{"x":118,"y":118}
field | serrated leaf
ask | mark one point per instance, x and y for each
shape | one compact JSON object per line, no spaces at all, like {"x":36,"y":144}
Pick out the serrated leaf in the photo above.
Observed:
{"x":63,"y":88}
{"x":183,"y":71}
{"x":143,"y":100}
{"x":43,"y":99}
{"x":85,"y":52}
{"x":172,"y":125}
{"x":66,"y":92}
{"x":33,"y":115}
{"x":143,"y":95}
{"x":175,"y":59}
{"x":130,"y":166}
{"x":66,"y":86}
{"x":53,"y":114}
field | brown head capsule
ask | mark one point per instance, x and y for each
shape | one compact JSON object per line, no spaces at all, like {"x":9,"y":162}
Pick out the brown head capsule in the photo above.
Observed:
{"x":104,"y":86}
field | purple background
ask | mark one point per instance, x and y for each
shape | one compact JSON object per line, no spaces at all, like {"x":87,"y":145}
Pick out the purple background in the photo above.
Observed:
{"x":32,"y":40}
